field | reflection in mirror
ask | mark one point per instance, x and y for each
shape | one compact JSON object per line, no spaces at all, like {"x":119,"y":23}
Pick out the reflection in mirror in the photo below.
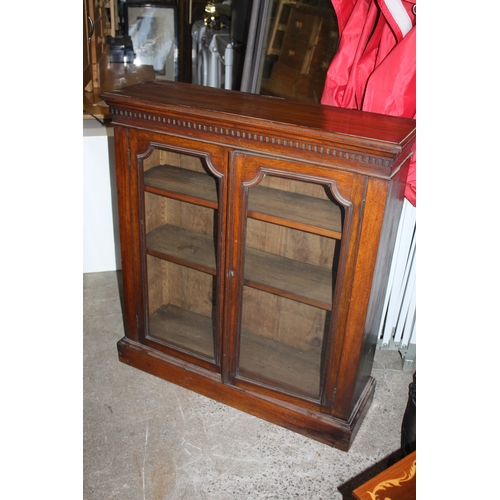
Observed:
{"x":301,"y":42}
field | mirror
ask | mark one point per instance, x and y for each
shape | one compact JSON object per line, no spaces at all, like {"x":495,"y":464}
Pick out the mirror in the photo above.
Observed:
{"x":299,"y":46}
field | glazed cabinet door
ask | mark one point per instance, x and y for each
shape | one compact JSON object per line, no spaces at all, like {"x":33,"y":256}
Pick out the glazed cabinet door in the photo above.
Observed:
{"x":180,"y":193}
{"x":291,"y":243}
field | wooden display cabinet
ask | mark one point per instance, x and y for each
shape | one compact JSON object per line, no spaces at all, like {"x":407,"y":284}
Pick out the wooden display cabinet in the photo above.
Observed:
{"x":256,"y":238}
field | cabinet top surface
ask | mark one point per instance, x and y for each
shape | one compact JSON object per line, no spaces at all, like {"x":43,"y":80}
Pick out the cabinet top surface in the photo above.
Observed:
{"x":257,"y":109}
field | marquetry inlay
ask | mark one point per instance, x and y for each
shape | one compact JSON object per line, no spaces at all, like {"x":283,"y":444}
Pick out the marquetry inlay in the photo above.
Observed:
{"x":385,"y":485}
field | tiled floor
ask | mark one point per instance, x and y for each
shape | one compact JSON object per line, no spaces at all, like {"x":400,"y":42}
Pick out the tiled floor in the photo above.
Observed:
{"x":145,"y":438}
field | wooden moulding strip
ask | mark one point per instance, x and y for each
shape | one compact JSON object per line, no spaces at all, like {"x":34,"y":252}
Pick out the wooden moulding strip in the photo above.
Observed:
{"x":380,"y":134}
{"x":363,"y":158}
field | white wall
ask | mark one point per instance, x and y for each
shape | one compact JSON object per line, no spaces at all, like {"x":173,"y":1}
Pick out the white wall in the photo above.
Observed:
{"x":101,"y":247}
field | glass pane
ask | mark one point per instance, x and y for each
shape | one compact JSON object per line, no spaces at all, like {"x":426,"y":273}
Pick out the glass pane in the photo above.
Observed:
{"x":293,"y":236}
{"x":180,"y":207}
{"x":181,"y":307}
{"x":281,"y":342}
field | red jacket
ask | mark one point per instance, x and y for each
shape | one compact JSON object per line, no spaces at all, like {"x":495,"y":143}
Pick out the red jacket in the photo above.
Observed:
{"x":374,"y":68}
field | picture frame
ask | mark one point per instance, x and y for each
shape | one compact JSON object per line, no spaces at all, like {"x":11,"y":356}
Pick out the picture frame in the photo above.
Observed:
{"x":152,"y":26}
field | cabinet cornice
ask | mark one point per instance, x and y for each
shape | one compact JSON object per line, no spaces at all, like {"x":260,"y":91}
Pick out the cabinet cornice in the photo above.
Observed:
{"x":366,"y":143}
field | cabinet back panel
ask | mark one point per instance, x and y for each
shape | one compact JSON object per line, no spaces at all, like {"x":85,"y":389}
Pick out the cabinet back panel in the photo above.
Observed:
{"x":162,"y":157}
{"x":286,"y":321}
{"x":181,"y":315}
{"x":282,"y":343}
{"x":304,"y":247}
{"x":181,"y":160}
{"x":180,"y":286}
{"x":152,"y":160}
{"x":154,"y":209}
{"x":155,"y":284}
{"x":160,"y":210}
{"x":294,"y":186}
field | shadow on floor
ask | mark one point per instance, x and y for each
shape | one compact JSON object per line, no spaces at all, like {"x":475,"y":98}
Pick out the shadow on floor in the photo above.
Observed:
{"x":347,"y":488}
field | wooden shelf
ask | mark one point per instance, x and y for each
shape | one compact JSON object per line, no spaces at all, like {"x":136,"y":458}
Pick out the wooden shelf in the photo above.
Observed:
{"x":182,"y":246}
{"x":304,"y":213}
{"x":263,"y":360}
{"x":271,"y":273}
{"x":182,"y":184}
{"x":289,"y":278}
{"x":183,"y":329}
{"x":273,"y":363}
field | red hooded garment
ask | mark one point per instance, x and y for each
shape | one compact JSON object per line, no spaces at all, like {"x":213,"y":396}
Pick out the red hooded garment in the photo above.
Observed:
{"x":374,"y":68}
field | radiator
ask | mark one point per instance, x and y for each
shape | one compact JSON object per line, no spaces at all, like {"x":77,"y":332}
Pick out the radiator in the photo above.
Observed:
{"x":398,"y":328}
{"x":212,"y":57}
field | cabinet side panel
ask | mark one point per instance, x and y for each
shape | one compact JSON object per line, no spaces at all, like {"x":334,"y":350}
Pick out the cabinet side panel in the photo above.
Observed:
{"x":123,"y":184}
{"x":373,"y":214}
{"x":388,"y":235}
